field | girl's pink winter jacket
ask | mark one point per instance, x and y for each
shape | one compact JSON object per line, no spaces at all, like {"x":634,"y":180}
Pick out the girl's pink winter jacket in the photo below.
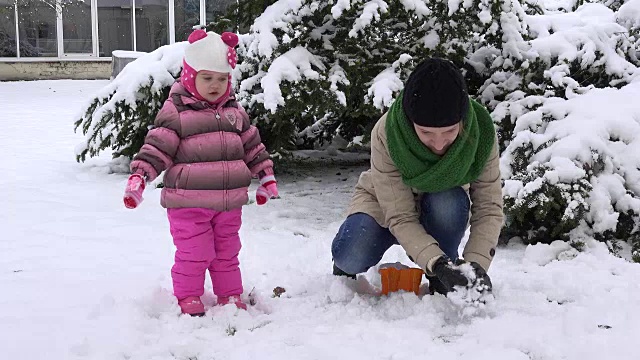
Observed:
{"x":210,"y":153}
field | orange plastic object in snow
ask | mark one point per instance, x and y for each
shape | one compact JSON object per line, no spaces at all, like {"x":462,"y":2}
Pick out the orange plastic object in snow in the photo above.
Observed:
{"x":394,"y":278}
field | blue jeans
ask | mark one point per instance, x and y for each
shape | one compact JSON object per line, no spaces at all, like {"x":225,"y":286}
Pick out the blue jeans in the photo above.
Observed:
{"x":361,"y":241}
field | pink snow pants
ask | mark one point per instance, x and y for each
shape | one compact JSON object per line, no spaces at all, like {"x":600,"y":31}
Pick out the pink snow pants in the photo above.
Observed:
{"x":205,"y":239}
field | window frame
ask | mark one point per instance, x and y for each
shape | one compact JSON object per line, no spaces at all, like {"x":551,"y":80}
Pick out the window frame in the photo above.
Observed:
{"x":93,"y":56}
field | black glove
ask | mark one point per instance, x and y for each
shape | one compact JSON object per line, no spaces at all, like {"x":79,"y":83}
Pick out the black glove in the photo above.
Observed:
{"x":482,"y":282}
{"x":449,"y":274}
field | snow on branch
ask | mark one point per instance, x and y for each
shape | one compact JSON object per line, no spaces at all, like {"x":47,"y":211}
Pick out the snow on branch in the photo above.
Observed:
{"x":387,"y":84}
{"x":370,"y":11}
{"x":292,"y":66}
{"x":118,"y":115}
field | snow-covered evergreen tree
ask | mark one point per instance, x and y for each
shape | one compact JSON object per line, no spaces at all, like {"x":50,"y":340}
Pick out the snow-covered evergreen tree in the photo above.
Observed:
{"x":555,"y":187}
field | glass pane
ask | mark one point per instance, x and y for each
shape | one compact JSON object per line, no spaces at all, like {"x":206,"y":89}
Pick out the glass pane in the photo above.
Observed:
{"x":7,"y":29}
{"x":216,"y":8}
{"x":187,"y":14}
{"x":76,"y":27}
{"x":37,"y":27}
{"x":152,"y":24}
{"x":114,"y":26}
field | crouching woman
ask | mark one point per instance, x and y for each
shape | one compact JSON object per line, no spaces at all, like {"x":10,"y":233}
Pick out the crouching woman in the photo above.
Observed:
{"x":434,"y":172}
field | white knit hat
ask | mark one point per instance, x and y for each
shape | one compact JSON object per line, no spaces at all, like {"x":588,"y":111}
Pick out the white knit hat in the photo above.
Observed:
{"x":210,"y":51}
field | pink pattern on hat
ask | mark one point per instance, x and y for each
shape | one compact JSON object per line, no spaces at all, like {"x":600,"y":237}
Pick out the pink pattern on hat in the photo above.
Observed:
{"x":188,"y":80}
{"x":231,"y":40}
{"x":232,"y":58}
{"x":196,"y":35}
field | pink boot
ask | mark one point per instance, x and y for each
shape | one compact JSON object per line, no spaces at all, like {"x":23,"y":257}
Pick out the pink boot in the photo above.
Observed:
{"x":235,"y":299}
{"x":192,"y":306}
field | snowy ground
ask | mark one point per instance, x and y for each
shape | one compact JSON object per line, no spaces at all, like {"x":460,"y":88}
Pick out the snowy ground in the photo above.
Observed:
{"x":82,"y":277}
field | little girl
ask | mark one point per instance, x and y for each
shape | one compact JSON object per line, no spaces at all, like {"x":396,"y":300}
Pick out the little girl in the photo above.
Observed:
{"x":204,"y":140}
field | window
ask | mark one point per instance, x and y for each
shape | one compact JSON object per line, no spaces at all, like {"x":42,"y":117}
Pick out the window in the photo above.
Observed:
{"x":216,"y":9}
{"x":53,"y":28}
{"x":7,"y":29}
{"x":76,"y":27}
{"x":114,"y":26}
{"x":37,"y":27}
{"x":152,"y":24}
{"x":187,"y":15}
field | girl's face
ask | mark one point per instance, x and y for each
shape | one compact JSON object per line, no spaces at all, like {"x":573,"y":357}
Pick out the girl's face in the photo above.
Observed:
{"x":211,"y":85}
{"x":438,"y":139}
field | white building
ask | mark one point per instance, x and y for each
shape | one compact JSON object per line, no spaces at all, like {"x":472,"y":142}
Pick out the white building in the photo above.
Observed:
{"x":74,"y":38}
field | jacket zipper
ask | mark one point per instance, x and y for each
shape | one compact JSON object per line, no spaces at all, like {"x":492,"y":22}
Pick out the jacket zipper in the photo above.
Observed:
{"x":225,"y":170}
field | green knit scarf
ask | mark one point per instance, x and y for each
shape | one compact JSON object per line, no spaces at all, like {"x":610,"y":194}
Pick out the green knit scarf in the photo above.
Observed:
{"x":463,"y":162}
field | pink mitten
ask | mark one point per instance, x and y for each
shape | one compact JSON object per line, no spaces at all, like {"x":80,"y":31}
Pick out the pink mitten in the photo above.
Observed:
{"x":272,"y":188}
{"x":262,"y":195}
{"x":133,"y":192}
{"x":268,"y":189}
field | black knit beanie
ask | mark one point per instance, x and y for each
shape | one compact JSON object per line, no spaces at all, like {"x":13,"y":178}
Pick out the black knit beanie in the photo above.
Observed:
{"x":435,"y":94}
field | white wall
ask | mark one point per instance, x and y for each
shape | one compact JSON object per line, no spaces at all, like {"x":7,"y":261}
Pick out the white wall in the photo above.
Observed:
{"x":49,"y":70}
